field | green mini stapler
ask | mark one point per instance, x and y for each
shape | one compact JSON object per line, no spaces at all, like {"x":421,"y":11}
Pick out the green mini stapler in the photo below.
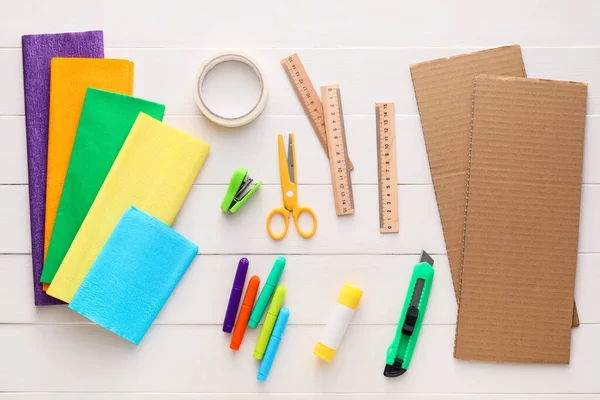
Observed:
{"x":401,"y":350}
{"x":241,"y":187}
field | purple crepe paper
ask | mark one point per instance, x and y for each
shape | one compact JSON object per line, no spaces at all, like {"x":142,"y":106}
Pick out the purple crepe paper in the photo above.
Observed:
{"x":38,"y":50}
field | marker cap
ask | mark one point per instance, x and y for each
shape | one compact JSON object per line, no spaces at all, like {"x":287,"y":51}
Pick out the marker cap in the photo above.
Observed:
{"x":350,"y":296}
{"x":281,"y":323}
{"x":276,"y":271}
{"x":240,"y":274}
{"x":277,"y":300}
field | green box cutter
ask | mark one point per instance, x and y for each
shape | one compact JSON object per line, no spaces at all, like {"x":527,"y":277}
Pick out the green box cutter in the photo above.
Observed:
{"x":400,"y":352}
{"x":241,"y":187}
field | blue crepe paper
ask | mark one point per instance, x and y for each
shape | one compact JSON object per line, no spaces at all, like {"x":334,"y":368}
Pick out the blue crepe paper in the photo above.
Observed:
{"x":134,"y":275}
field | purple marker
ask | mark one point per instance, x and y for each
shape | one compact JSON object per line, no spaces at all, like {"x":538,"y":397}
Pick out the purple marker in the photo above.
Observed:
{"x":236,"y":295}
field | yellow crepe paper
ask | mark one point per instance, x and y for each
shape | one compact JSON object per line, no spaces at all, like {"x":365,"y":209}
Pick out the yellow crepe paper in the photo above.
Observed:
{"x":154,"y":171}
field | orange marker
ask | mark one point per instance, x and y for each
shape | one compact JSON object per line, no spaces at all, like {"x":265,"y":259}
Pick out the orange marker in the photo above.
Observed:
{"x":242,"y":322}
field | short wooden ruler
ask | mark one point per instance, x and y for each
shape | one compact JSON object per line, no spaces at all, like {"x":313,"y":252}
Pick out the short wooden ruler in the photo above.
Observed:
{"x":311,"y":103}
{"x":338,"y":150}
{"x":386,"y":167}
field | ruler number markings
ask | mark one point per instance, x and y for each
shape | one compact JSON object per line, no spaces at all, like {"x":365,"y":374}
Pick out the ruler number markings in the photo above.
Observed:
{"x":309,"y":98}
{"x":386,"y":168}
{"x":338,"y":150}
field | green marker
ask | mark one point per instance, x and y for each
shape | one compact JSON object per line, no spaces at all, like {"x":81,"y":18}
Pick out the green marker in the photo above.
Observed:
{"x":266,"y":292}
{"x":265,"y":333}
{"x":400,"y":352}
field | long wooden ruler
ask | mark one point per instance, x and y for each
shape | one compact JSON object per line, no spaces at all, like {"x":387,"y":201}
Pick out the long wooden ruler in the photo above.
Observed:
{"x":311,"y":103}
{"x":338,"y":150}
{"x":386,"y":167}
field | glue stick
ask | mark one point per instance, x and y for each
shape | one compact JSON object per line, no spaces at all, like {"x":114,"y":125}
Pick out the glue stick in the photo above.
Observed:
{"x":339,"y":320}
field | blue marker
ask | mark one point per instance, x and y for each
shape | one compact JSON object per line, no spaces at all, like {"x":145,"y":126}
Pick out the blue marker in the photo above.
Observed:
{"x":267,"y":361}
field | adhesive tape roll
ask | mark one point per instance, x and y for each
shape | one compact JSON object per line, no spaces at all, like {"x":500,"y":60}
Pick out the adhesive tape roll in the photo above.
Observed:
{"x":212,"y":62}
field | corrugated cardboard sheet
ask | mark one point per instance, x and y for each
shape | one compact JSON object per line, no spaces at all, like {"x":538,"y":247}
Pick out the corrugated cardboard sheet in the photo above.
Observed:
{"x":444,"y":92}
{"x":522,"y":220}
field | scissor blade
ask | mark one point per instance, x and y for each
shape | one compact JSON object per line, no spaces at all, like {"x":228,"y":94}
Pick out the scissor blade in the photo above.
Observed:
{"x":290,"y":160}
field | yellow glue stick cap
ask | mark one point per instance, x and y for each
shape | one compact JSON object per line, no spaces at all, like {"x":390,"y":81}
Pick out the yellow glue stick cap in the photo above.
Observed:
{"x":324,"y":352}
{"x":350,"y":296}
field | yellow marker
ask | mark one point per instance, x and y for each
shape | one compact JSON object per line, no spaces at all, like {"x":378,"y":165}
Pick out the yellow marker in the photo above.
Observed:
{"x":338,"y":322}
{"x":265,"y":333}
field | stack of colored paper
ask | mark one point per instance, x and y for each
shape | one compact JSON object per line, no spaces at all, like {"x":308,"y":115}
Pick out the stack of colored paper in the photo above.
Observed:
{"x":106,"y":178}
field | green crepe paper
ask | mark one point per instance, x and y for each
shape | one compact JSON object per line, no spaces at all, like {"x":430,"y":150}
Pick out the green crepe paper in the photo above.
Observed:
{"x":106,"y":119}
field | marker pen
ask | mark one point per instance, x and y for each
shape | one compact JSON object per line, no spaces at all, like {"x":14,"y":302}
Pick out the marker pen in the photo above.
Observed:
{"x":265,"y":333}
{"x":236,"y":295}
{"x":267,"y":362}
{"x":266,"y":292}
{"x":245,"y":310}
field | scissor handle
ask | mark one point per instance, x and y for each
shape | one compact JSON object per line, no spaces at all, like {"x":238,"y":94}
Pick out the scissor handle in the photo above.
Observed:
{"x":286,"y":217}
{"x":296,"y":213}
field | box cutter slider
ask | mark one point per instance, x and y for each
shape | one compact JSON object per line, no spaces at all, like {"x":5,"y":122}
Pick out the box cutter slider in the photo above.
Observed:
{"x":241,"y":187}
{"x":401,"y":350}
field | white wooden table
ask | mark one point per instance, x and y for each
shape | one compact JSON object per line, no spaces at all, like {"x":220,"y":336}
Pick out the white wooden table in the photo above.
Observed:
{"x":53,"y":353}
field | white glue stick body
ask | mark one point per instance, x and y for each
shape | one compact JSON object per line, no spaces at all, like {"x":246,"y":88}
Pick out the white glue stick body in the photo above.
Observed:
{"x":340,"y":318}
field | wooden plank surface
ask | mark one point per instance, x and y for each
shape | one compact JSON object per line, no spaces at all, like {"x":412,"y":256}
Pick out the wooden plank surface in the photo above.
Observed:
{"x":209,"y":280}
{"x":313,"y":24}
{"x":174,"y":358}
{"x":258,"y":149}
{"x":52,"y":353}
{"x":363,"y":83}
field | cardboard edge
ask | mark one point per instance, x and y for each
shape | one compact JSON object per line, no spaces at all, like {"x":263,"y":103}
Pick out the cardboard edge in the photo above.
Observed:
{"x":480,"y":359}
{"x":427,"y":152}
{"x":429,"y":165}
{"x":462,"y":255}
{"x":536,"y":80}
{"x":522,"y":60}
{"x":423,"y":63}
{"x":576,"y":321}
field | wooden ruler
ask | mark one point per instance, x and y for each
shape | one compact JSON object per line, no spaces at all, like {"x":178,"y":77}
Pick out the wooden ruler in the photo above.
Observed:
{"x":338,"y":150}
{"x":386,"y":167}
{"x":311,"y":103}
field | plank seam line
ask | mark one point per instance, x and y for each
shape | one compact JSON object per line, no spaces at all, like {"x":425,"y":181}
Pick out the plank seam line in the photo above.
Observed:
{"x":216,"y":324}
{"x":332,"y":394}
{"x":466,"y":47}
{"x":268,"y":114}
{"x":301,"y":184}
{"x":584,"y":253}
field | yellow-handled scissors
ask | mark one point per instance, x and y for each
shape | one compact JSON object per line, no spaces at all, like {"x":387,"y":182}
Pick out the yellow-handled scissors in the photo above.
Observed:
{"x":287,"y":176}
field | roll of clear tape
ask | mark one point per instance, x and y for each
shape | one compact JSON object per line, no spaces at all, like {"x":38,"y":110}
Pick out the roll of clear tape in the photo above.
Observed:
{"x":212,"y":62}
